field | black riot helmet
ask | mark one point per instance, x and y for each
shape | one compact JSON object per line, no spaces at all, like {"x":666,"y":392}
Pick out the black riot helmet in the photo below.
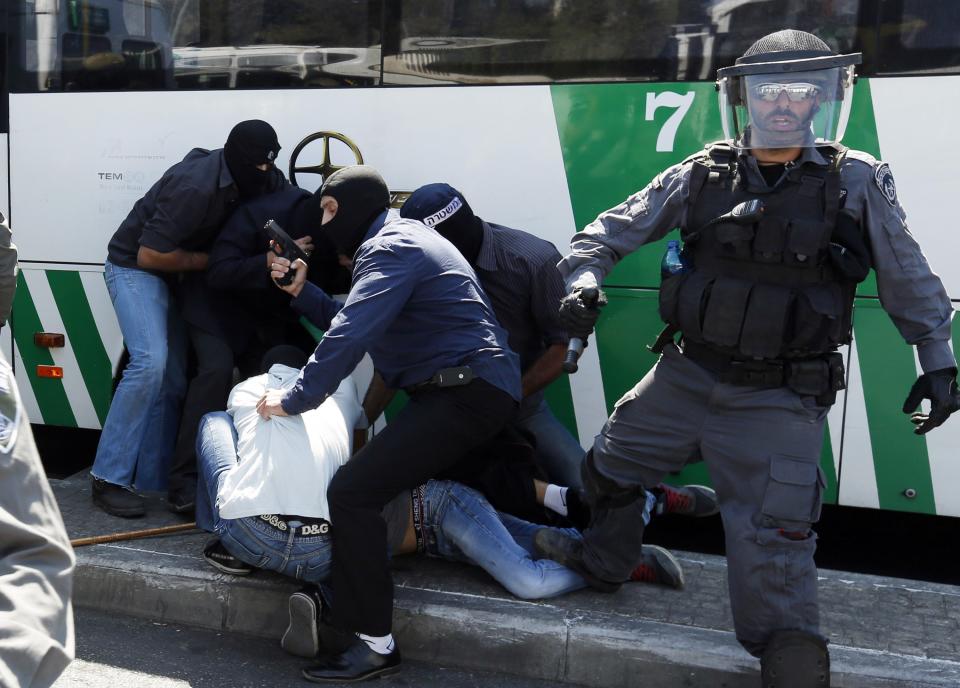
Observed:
{"x":788,"y":89}
{"x":361,"y":195}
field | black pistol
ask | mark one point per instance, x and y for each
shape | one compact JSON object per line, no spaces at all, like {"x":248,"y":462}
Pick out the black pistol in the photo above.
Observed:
{"x":284,"y":247}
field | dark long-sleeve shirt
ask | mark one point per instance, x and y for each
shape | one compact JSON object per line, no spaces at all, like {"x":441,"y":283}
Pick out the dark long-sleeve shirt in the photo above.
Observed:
{"x":237,"y":255}
{"x":185,"y":208}
{"x":415,"y":305}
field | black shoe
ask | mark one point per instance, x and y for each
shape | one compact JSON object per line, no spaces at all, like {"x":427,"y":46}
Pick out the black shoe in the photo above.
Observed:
{"x":219,"y":558}
{"x":301,"y":637}
{"x":357,"y":663}
{"x":563,"y":549}
{"x":183,"y":500}
{"x":116,"y":500}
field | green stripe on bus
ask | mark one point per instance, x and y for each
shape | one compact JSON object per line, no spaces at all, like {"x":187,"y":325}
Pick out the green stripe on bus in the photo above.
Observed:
{"x":560,"y":400}
{"x":831,"y":494}
{"x":82,"y":332}
{"x":609,"y":150}
{"x":862,"y":135}
{"x":956,"y":338}
{"x":49,"y":392}
{"x":888,"y":370}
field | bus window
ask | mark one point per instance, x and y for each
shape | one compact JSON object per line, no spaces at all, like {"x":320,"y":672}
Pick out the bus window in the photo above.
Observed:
{"x":4,"y":100}
{"x":130,"y":45}
{"x":269,"y":44}
{"x":531,"y":41}
{"x":919,"y":37}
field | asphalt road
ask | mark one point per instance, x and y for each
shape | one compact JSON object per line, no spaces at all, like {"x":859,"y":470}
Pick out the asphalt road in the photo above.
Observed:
{"x":117,"y":651}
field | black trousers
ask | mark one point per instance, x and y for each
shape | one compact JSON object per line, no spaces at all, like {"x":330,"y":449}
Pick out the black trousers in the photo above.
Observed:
{"x":207,"y":391}
{"x":433,"y":432}
{"x":503,"y":470}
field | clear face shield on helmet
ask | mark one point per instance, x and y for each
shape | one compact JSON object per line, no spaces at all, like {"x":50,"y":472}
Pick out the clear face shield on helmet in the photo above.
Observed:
{"x":783,"y":105}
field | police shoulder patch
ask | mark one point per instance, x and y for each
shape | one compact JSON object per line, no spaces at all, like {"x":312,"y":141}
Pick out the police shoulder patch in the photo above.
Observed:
{"x":884,"y":180}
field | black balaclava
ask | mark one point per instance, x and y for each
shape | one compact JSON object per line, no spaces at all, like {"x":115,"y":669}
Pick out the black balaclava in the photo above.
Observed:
{"x":361,"y":195}
{"x":251,"y":143}
{"x":446,"y":210}
{"x":307,"y":217}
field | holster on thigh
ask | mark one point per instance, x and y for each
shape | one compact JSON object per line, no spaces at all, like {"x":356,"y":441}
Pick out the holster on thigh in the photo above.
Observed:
{"x":795,"y":659}
{"x":602,"y":492}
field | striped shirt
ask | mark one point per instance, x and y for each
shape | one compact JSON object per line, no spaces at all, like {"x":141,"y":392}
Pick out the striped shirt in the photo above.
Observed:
{"x":519,"y":274}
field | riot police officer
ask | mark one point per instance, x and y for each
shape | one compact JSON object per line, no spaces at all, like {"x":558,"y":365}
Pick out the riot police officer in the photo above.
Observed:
{"x":779,"y":223}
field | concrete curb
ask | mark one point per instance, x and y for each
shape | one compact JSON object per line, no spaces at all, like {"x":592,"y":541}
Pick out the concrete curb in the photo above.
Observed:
{"x":462,"y":626}
{"x":884,"y":632}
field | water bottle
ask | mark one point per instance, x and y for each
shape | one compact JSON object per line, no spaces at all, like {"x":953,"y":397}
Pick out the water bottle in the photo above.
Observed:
{"x":674,"y":262}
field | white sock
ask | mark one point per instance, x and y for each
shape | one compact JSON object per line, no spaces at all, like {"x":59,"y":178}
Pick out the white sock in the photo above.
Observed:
{"x":555,"y":499}
{"x":381,"y":644}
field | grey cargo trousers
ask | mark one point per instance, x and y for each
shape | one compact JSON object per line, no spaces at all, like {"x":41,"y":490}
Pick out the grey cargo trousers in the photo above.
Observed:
{"x":762,"y":449}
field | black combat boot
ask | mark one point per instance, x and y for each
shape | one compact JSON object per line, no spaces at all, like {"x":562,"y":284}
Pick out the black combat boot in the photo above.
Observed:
{"x":795,"y":659}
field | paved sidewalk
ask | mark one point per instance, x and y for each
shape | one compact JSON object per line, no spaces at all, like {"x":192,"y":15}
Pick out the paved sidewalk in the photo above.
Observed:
{"x":884,"y":632}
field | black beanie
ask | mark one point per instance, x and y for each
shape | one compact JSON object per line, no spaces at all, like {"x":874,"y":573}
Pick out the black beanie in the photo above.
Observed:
{"x":251,"y":143}
{"x":361,"y":195}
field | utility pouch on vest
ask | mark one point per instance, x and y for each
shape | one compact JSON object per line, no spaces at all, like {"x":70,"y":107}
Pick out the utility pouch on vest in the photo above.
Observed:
{"x":769,"y":241}
{"x":735,"y":239}
{"x":669,"y":295}
{"x":821,"y":377}
{"x":804,"y":241}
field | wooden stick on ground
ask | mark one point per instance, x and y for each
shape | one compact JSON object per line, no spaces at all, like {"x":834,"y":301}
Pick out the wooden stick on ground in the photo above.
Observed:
{"x":132,"y":534}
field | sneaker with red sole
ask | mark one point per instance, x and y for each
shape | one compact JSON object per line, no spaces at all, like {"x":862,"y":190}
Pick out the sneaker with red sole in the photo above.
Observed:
{"x":688,"y":500}
{"x":660,"y":567}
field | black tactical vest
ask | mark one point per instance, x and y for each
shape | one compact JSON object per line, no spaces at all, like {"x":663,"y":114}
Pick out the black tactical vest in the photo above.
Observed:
{"x":765,"y":290}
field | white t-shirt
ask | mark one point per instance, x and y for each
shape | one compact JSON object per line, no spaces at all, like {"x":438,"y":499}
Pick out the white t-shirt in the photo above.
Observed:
{"x":287,"y":462}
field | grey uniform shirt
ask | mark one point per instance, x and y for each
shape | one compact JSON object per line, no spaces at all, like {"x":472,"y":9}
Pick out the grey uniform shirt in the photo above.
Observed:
{"x":909,"y":290}
{"x":36,"y":560}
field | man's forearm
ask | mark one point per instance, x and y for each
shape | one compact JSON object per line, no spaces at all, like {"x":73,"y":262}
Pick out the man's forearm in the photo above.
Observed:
{"x":177,"y":260}
{"x":544,"y":370}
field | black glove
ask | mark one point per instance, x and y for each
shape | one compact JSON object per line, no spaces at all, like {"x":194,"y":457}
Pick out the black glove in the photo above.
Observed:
{"x":849,"y":252}
{"x":580,"y":309}
{"x":940,"y":387}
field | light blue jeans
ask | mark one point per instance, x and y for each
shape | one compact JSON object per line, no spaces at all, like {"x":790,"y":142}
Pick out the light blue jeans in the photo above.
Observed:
{"x":559,"y":453}
{"x":250,"y":539}
{"x":138,"y":435}
{"x":460,"y":525}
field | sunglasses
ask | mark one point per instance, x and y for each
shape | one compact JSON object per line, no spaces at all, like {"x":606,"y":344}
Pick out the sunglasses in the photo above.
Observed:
{"x":796,"y":92}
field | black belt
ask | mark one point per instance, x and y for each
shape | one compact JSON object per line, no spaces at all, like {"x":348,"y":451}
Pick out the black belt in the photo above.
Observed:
{"x":820,"y":376}
{"x":766,"y":373}
{"x":446,"y":377}
{"x":309,"y":527}
{"x":419,"y":516}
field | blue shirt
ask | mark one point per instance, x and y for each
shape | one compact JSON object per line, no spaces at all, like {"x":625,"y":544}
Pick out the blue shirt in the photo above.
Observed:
{"x":415,"y":305}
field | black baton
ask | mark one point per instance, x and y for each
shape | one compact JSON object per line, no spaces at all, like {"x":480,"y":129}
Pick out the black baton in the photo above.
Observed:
{"x":589,"y":297}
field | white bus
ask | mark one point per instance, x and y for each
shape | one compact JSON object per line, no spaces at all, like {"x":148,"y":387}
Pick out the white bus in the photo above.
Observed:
{"x":543,"y":112}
